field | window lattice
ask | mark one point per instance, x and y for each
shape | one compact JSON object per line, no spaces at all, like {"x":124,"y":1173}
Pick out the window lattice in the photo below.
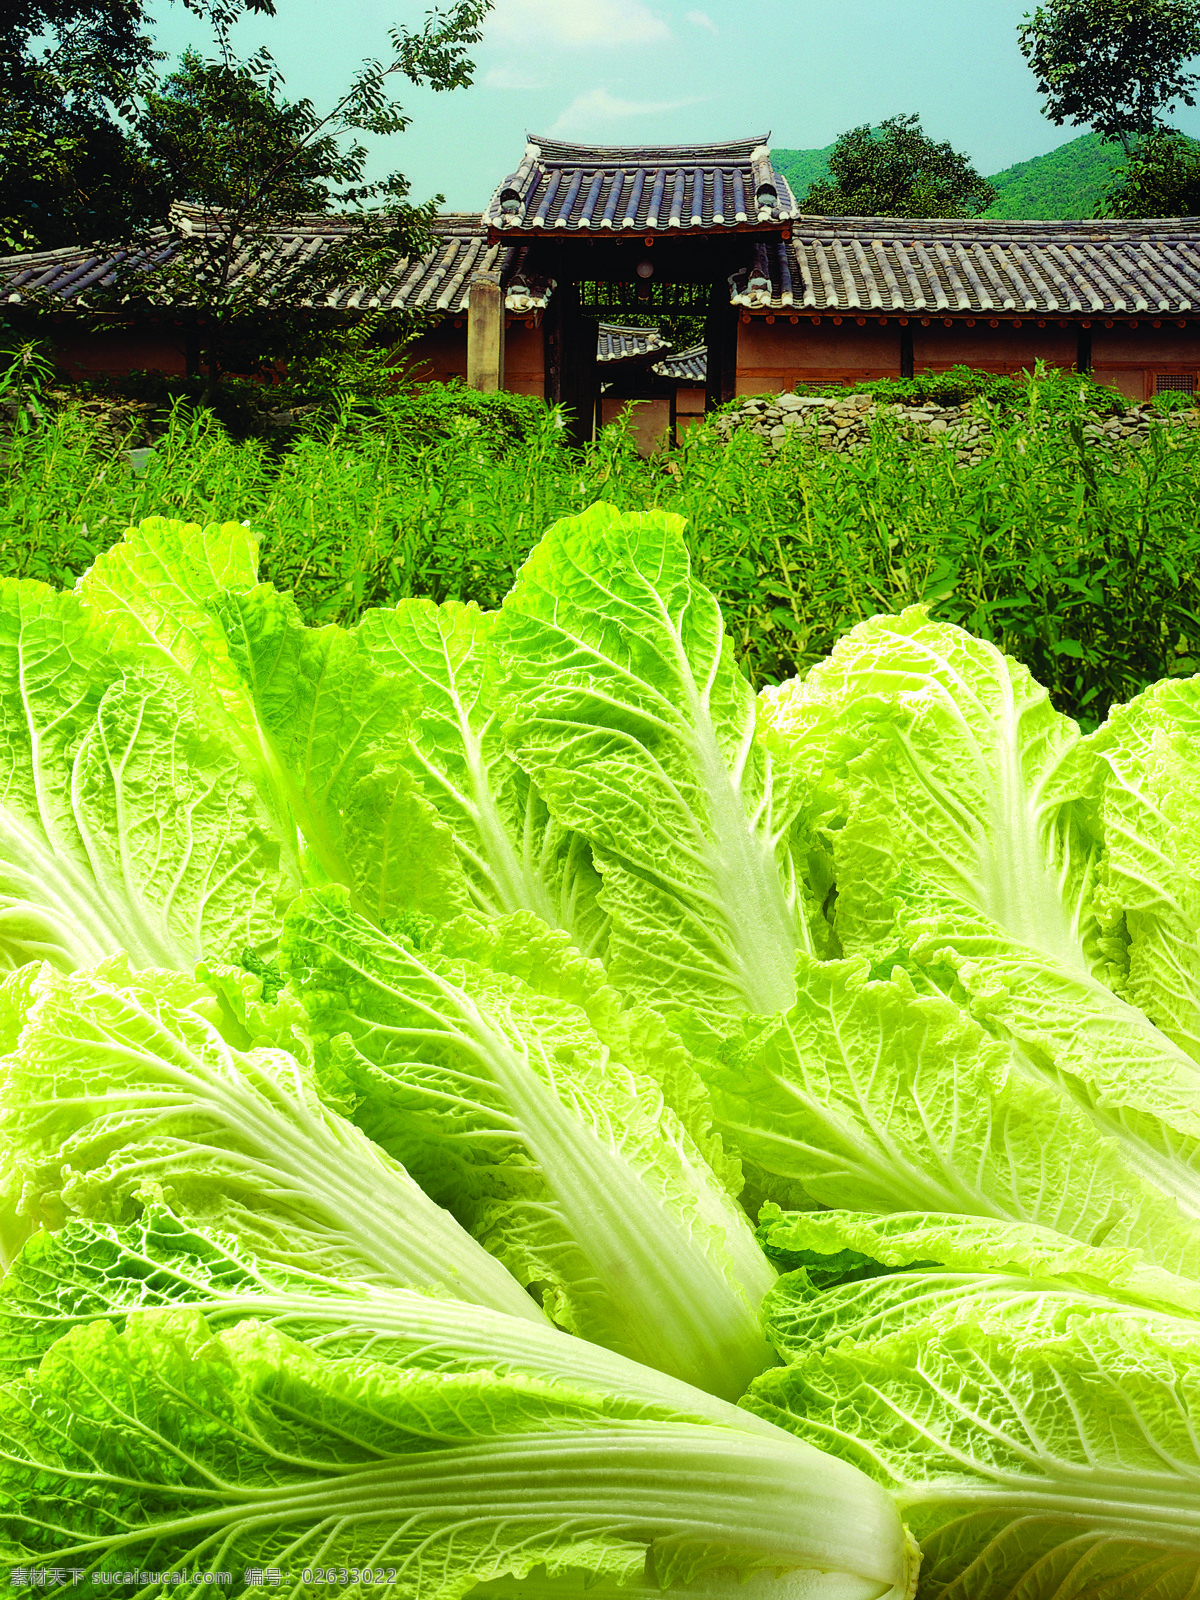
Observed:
{"x":1175,"y":383}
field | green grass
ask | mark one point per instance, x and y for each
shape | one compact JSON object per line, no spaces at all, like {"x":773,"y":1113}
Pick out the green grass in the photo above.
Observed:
{"x":1085,"y":569}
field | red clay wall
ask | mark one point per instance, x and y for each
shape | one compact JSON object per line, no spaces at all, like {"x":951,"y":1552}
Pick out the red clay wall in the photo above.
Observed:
{"x":436,"y":357}
{"x":441,"y":354}
{"x":775,"y":355}
{"x":649,"y":419}
{"x":153,"y":348}
{"x":689,"y":407}
{"x":1132,"y":358}
{"x":1005,"y":348}
{"x":525,"y":356}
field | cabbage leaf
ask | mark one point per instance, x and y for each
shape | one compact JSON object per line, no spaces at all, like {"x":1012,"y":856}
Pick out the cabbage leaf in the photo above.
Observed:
{"x":125,"y":821}
{"x":318,"y":731}
{"x":118,"y":1078}
{"x":167,"y":1445}
{"x":1034,"y":1448}
{"x":489,"y":1080}
{"x":627,"y":709}
{"x":90,"y":1269}
{"x":512,"y":854}
{"x":869,"y":1095}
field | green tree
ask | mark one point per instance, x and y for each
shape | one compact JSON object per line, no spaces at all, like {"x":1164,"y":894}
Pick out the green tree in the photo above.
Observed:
{"x":1161,"y":178}
{"x":215,"y":132}
{"x":70,"y":71}
{"x":896,"y":170}
{"x":1118,"y":66}
{"x":220,"y":134}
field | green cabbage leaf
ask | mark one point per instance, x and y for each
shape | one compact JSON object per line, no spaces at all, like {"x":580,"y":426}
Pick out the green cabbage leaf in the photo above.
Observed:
{"x":628,"y":711}
{"x":870,"y":1095}
{"x":126,"y":823}
{"x":161,"y":1260}
{"x":1147,"y":759}
{"x":504,"y":1074}
{"x":512,"y":854}
{"x":971,"y":844}
{"x":117,"y":1078}
{"x":168,"y":1445}
{"x":1037,"y":1441}
{"x":318,"y":731}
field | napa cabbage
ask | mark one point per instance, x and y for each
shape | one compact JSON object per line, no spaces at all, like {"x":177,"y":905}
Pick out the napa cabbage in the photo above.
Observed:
{"x":502,"y":1071}
{"x":1025,"y":1422}
{"x":406,"y":1022}
{"x":167,"y":1445}
{"x":116,"y":1078}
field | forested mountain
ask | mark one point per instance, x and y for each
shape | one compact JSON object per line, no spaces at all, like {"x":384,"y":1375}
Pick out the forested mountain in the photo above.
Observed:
{"x":1066,"y":182}
{"x":802,"y":168}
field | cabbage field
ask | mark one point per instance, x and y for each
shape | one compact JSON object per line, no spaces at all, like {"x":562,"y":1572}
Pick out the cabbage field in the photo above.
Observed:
{"x":491,"y":1101}
{"x":576,"y":1027}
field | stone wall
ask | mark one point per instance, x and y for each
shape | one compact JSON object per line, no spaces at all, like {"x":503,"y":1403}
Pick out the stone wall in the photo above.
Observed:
{"x":844,"y":423}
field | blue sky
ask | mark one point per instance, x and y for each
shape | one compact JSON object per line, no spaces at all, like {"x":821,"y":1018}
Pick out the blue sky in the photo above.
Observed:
{"x":670,"y":71}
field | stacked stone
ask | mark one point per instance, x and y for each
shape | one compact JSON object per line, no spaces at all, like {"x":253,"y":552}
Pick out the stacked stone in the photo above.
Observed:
{"x":1134,"y":427}
{"x":843,"y":423}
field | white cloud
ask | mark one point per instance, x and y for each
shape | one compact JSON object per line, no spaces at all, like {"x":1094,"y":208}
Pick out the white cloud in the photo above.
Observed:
{"x":701,"y":19}
{"x":597,"y":106}
{"x":511,"y":77}
{"x":577,"y":22}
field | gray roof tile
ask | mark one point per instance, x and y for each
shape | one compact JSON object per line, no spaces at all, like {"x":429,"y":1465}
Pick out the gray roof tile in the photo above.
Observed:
{"x":575,"y":188}
{"x":438,"y":281}
{"x":975,"y":266}
{"x":689,"y":366}
{"x":627,"y":344}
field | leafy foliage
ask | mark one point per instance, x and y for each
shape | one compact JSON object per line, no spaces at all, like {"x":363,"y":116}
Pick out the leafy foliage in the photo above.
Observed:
{"x":1066,"y":182}
{"x":1047,"y":547}
{"x":98,"y":146}
{"x":273,"y":1455}
{"x":896,"y":170}
{"x":217,"y":130}
{"x":254,"y":163}
{"x":70,"y":71}
{"x":1161,"y":178}
{"x":894,"y":941}
{"x":802,"y":168}
{"x":1117,"y":65}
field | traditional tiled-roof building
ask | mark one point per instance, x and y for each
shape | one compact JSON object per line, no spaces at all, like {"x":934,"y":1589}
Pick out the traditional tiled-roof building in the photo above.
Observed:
{"x":580,"y":237}
{"x":158,"y":332}
{"x":624,"y":190}
{"x":856,"y":297}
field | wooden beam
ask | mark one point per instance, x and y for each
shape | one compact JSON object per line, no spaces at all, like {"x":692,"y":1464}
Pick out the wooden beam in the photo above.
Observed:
{"x":906,"y":349}
{"x":552,"y":345}
{"x":721,"y":333}
{"x":570,"y":352}
{"x":580,"y":381}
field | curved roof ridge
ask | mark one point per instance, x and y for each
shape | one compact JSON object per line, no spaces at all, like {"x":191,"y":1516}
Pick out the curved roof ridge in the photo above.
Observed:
{"x":562,"y":150}
{"x":575,"y":190}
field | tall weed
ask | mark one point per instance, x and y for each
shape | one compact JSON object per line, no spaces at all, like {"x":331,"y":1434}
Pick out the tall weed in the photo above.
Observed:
{"x":1082,"y":565}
